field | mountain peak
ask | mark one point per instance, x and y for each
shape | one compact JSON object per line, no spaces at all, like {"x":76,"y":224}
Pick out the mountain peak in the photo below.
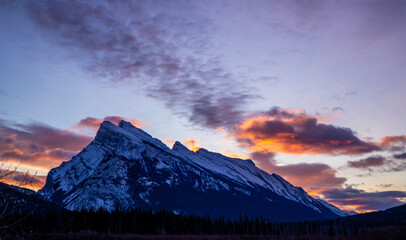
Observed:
{"x":107,"y":124}
{"x":179,"y":147}
{"x":124,"y":123}
{"x":138,"y":132}
{"x":124,"y":128}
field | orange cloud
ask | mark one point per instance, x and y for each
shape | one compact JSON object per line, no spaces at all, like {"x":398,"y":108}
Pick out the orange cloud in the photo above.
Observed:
{"x":234,"y":155}
{"x":192,"y":144}
{"x":38,"y":146}
{"x":168,"y":142}
{"x":393,"y":140}
{"x":286,"y":132}
{"x":21,"y":179}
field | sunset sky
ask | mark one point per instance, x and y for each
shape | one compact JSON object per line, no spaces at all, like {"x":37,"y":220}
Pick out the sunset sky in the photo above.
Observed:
{"x":311,"y":90}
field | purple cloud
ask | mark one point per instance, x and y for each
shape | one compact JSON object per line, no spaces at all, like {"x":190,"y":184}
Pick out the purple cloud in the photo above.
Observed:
{"x":400,"y":156}
{"x":307,"y":175}
{"x":364,"y":201}
{"x":373,"y":161}
{"x":38,"y":144}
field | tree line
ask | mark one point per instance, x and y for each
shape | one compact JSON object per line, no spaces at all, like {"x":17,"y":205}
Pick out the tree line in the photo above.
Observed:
{"x":141,"y":221}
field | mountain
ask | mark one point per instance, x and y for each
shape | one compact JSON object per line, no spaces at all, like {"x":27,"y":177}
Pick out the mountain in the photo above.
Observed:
{"x":124,"y":167}
{"x":19,"y":200}
{"x":391,"y":216}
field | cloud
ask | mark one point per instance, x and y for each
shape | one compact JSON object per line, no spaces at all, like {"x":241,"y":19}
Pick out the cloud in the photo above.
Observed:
{"x":37,"y":145}
{"x":400,"y":156}
{"x":192,"y":144}
{"x":94,"y":123}
{"x":307,"y":175}
{"x":393,"y":140}
{"x":373,"y":161}
{"x":297,"y":133}
{"x":335,"y":109}
{"x":363,"y":201}
{"x":159,"y":48}
{"x":22,"y":179}
{"x":380,"y":164}
{"x":311,"y":175}
{"x":46,"y":136}
{"x":234,"y":155}
{"x":394,"y":166}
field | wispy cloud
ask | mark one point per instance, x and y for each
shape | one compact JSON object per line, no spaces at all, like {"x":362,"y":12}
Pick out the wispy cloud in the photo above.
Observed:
{"x":380,"y":164}
{"x":147,"y":46}
{"x":373,"y":161}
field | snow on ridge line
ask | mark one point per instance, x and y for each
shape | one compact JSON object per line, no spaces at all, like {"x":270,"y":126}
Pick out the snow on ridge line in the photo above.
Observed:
{"x":248,"y":173}
{"x":244,"y":172}
{"x":135,"y":134}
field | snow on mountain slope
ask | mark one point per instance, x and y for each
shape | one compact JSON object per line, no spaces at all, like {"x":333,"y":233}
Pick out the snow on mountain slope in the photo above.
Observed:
{"x":245,"y":172}
{"x":125,"y":167}
{"x":333,"y":208}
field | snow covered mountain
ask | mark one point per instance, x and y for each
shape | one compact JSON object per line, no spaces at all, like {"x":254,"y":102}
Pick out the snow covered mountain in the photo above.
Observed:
{"x":124,"y":167}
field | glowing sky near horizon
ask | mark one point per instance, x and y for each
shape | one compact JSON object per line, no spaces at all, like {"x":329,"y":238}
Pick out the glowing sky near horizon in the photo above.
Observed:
{"x":311,"y":90}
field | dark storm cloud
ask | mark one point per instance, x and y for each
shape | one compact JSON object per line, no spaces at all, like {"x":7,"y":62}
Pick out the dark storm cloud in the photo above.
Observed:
{"x":364,"y":200}
{"x":158,"y":48}
{"x":373,"y":161}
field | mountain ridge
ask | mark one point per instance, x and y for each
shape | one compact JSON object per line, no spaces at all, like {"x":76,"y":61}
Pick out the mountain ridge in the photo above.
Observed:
{"x":126,"y":167}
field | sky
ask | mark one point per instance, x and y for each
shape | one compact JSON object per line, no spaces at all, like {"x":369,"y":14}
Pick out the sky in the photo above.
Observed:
{"x":310,"y":90}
